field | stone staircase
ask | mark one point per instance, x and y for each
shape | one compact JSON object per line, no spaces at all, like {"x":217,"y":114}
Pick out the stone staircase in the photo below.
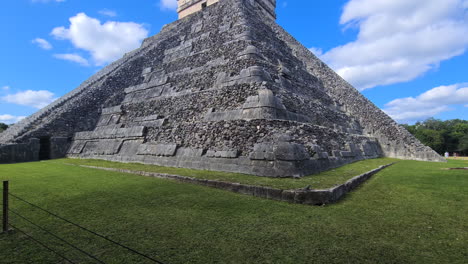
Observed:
{"x":13,"y":133}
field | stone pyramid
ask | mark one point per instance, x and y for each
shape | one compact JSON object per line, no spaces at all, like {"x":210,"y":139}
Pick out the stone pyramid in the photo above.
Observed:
{"x":225,"y":89}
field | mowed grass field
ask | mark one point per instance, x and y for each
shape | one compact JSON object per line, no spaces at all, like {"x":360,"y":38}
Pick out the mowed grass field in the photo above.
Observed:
{"x":319,"y":181}
{"x":411,"y":212}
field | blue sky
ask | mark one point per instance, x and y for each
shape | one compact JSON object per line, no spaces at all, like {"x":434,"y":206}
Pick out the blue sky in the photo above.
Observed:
{"x":408,"y":57}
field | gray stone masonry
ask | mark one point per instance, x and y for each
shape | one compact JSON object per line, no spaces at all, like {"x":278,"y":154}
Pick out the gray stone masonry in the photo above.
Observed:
{"x":222,"y":89}
{"x":13,"y":153}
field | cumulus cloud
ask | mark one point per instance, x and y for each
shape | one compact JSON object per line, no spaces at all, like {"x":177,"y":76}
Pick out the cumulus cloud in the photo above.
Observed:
{"x":10,"y":119}
{"x":428,"y":104}
{"x":36,"y":99}
{"x":42,"y":43}
{"x":316,"y":51}
{"x":169,"y":4}
{"x":107,"y":12}
{"x":73,"y":58}
{"x":6,"y":118}
{"x":398,"y":40}
{"x":105,"y":42}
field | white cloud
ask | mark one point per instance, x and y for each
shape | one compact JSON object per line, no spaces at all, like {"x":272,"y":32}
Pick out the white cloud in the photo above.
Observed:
{"x":42,"y":43}
{"x":107,"y":12}
{"x":169,"y":4}
{"x":4,"y":118}
{"x":6,"y":88}
{"x":428,"y":104}
{"x":10,"y":119}
{"x":36,"y":99}
{"x":73,"y":58}
{"x":106,"y":42}
{"x":316,"y":51}
{"x":399,"y":40}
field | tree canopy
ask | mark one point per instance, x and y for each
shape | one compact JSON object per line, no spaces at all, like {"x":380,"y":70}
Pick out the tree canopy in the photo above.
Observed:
{"x":3,"y":127}
{"x":442,"y":136}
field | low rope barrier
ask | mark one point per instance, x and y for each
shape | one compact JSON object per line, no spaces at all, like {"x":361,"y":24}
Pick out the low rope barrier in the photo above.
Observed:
{"x":57,"y":237}
{"x":42,"y":244}
{"x":80,"y":227}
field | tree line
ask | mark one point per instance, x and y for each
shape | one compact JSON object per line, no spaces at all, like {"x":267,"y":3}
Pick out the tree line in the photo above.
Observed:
{"x":3,"y":127}
{"x":442,"y":136}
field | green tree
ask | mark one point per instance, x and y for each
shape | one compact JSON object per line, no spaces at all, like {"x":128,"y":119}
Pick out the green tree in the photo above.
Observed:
{"x":463,"y":145}
{"x":3,"y":127}
{"x":442,"y":136}
{"x":431,"y":138}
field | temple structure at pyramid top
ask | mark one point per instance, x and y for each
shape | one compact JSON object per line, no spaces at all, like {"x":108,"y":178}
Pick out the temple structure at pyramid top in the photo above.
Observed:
{"x":188,"y":7}
{"x":223,"y":88}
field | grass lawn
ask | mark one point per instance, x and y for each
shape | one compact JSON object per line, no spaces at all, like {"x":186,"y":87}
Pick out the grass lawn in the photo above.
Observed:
{"x":412,"y":212}
{"x":323,"y":180}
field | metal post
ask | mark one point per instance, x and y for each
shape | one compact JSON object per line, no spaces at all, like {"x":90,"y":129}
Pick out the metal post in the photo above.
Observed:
{"x":5,"y":207}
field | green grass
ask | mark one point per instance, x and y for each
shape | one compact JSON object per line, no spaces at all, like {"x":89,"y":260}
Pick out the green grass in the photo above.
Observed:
{"x":318,"y":181}
{"x":412,"y":212}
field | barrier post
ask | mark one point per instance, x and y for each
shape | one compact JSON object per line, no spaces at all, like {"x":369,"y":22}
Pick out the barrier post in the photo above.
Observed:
{"x":5,"y":207}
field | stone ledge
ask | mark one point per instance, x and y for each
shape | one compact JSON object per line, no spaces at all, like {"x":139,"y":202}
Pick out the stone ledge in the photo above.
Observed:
{"x":298,"y":196}
{"x":138,"y":131}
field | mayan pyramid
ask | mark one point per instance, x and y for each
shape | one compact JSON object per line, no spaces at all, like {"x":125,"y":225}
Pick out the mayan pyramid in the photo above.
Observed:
{"x":224,"y":88}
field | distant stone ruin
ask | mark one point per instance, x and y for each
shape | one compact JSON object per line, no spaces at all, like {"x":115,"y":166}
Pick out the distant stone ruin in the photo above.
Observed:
{"x":224,"y":88}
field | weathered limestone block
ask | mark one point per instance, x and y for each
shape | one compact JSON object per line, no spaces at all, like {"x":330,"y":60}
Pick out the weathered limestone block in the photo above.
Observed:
{"x":77,"y":147}
{"x":138,"y":131}
{"x":112,"y":110}
{"x":109,"y":127}
{"x":165,"y":150}
{"x":291,"y":152}
{"x":336,"y":153}
{"x":24,"y":152}
{"x":59,"y":147}
{"x":189,"y":152}
{"x":149,"y":121}
{"x":229,"y":154}
{"x":347,"y":154}
{"x":103,"y":147}
{"x":146,"y":73}
{"x":263,"y":152}
{"x":323,"y":155}
{"x":250,"y":52}
{"x":180,"y":52}
{"x":147,"y":118}
{"x":129,"y":149}
{"x":249,"y":75}
{"x":265,"y":98}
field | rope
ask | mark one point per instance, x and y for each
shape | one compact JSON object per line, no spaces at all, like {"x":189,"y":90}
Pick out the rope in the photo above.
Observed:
{"x":42,"y":244}
{"x":92,"y":232}
{"x":57,"y":237}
